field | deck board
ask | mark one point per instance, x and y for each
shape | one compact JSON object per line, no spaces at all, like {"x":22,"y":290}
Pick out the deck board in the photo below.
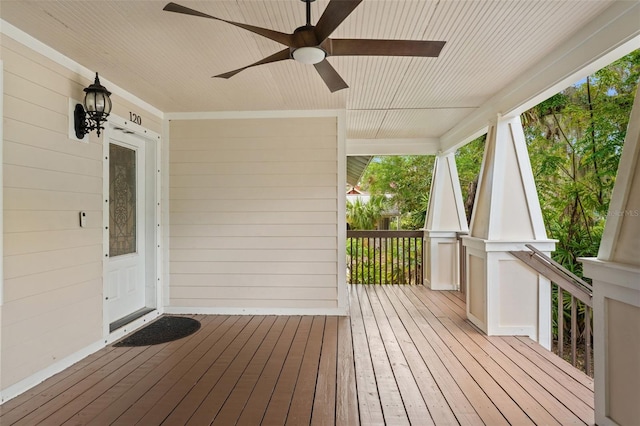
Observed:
{"x":501,"y":389}
{"x":283,"y":332}
{"x":453,"y":393}
{"x":263,"y":339}
{"x":405,"y":355}
{"x":324,"y":403}
{"x":347,"y":400}
{"x":194,"y":399}
{"x":13,"y":410}
{"x":536,"y":381}
{"x":478,"y":396}
{"x":413,"y":400}
{"x":261,"y":395}
{"x":393,"y":408}
{"x":278,"y":407}
{"x":145,"y":380}
{"x":303,"y":394}
{"x":367,"y":388}
{"x":92,"y":383}
{"x":159,"y":405}
{"x":521,"y":386}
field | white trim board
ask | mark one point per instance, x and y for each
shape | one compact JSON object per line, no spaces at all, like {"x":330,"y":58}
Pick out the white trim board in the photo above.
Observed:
{"x":420,"y":146}
{"x":132,"y":326}
{"x":154,"y":242}
{"x":343,"y":292}
{"x":57,"y":57}
{"x":164,"y":283}
{"x":221,"y":115}
{"x":42,"y":375}
{"x":1,"y":189}
{"x":1,"y":208}
{"x":180,"y":310}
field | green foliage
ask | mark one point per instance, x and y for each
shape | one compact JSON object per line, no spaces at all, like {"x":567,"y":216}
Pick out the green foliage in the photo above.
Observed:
{"x":468,"y":162}
{"x":575,"y":140}
{"x":384,"y":260}
{"x":581,"y":310}
{"x":407,"y":179}
{"x":365,"y":215}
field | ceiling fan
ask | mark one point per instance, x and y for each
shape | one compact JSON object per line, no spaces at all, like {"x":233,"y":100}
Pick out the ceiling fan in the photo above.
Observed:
{"x":310,"y":44}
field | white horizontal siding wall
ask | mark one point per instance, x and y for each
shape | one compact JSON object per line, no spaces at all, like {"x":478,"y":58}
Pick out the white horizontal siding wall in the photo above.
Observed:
{"x":254,"y":215}
{"x":52,"y":268}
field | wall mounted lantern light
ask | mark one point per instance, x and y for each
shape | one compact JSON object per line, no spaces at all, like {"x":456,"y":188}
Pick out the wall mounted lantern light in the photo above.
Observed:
{"x":96,"y":109}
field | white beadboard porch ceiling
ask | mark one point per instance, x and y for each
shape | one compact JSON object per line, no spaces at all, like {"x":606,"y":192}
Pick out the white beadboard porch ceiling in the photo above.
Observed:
{"x":169,"y":59}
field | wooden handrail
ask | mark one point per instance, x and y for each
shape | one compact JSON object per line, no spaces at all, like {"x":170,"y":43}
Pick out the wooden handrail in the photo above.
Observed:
{"x":585,"y":285}
{"x":384,"y":234}
{"x":546,"y":266}
{"x":577,"y":288}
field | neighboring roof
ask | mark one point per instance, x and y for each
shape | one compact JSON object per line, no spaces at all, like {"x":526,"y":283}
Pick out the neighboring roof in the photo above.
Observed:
{"x":355,"y":168}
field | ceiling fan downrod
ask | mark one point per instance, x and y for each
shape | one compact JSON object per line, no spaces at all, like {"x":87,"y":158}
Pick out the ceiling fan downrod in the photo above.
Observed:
{"x":308,"y":2}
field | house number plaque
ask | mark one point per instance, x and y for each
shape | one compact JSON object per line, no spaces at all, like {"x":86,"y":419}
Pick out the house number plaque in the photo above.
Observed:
{"x":135,"y":118}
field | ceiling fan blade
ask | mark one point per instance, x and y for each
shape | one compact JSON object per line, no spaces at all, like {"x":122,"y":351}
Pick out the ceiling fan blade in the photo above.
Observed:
{"x":286,"y":39}
{"x":276,"y":57}
{"x":336,"y":12}
{"x":330,"y":76}
{"x":368,"y":47}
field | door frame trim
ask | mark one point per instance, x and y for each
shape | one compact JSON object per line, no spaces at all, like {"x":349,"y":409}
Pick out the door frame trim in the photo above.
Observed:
{"x":152,"y":139}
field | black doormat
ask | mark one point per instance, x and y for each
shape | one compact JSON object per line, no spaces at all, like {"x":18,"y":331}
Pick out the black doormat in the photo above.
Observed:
{"x":166,"y":329}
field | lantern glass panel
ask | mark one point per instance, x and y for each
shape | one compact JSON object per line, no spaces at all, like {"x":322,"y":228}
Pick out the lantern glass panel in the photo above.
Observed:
{"x":90,"y":102}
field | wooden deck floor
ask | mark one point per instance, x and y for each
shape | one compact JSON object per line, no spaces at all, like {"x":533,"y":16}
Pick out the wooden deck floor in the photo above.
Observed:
{"x":405,"y":356}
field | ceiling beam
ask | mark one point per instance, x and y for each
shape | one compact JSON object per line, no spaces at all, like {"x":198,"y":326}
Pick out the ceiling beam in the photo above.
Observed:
{"x":418,"y":146}
{"x":613,"y":34}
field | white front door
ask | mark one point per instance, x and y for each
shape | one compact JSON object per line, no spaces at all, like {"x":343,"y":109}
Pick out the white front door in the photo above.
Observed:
{"x":125,"y":269}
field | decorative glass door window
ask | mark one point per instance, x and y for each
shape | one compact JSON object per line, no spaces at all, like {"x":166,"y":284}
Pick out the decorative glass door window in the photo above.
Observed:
{"x":122,"y":200}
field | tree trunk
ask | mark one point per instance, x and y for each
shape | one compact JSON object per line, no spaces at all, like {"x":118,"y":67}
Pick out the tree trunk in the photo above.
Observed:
{"x":471,"y":197}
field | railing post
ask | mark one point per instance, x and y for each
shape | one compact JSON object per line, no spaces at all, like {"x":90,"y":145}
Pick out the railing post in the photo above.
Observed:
{"x":462,"y":261}
{"x":444,"y":220}
{"x":616,"y":340}
{"x":574,"y":330}
{"x":587,"y":333}
{"x":505,"y":297}
{"x":616,"y":292}
{"x":442,"y":260}
{"x":560,"y":308}
{"x":350,"y":260}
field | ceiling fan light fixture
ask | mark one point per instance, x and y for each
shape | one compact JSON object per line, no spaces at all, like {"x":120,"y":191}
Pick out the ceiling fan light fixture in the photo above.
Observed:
{"x":309,"y":55}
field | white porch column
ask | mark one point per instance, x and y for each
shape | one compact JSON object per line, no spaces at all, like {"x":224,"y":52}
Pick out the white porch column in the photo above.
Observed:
{"x":445,"y":219}
{"x":616,"y":293}
{"x":504,"y":296}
